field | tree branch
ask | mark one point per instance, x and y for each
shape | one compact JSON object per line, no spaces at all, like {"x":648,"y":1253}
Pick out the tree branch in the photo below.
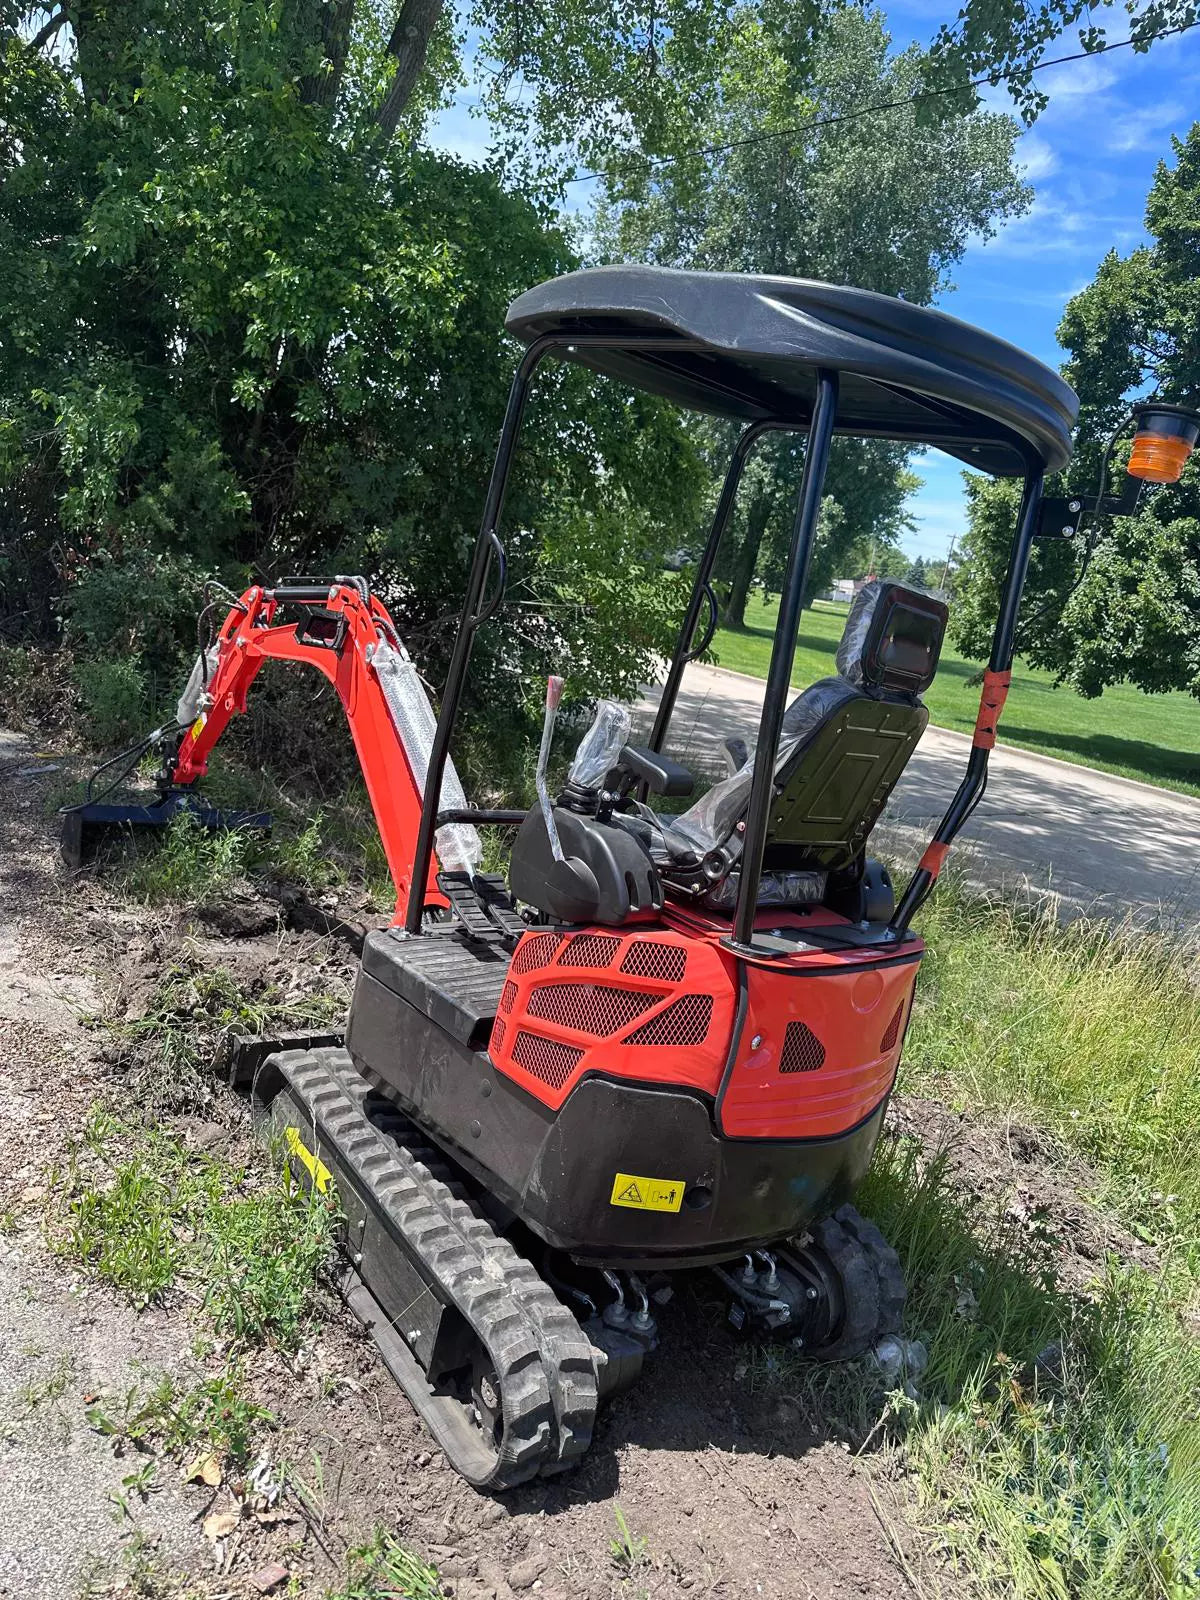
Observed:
{"x":47,"y":30}
{"x":409,"y":44}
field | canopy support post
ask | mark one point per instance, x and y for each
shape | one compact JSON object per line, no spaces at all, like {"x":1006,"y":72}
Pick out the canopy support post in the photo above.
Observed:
{"x":684,"y":650}
{"x":783,"y":652}
{"x":996,"y":681}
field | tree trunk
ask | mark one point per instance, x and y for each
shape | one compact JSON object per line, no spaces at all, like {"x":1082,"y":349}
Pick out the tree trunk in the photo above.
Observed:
{"x":409,"y":44}
{"x":745,"y":563}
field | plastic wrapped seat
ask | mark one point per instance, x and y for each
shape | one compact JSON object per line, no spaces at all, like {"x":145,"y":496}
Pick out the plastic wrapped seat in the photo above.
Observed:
{"x":843,"y":744}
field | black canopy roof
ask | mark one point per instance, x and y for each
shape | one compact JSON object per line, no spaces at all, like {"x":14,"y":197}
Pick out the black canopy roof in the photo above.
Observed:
{"x":750,"y":347}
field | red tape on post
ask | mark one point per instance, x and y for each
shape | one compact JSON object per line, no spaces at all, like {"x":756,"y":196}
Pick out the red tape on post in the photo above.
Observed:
{"x":933,"y":859}
{"x":991,"y":704}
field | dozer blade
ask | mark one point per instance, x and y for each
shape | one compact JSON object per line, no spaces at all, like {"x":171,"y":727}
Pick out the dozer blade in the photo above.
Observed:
{"x":82,"y":825}
{"x":500,"y":1371}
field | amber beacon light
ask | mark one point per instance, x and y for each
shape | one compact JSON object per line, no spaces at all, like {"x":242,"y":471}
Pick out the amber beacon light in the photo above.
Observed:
{"x":1165,"y":438}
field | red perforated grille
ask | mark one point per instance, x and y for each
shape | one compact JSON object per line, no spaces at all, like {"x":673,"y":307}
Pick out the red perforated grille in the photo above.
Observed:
{"x":535,"y":952}
{"x":647,"y":958}
{"x":888,"y":1042}
{"x":498,"y":1034}
{"x":588,"y":1009}
{"x":802,"y":1050}
{"x":508,"y":996}
{"x":685,"y":1021}
{"x":546,"y":1059}
{"x":589,"y":950}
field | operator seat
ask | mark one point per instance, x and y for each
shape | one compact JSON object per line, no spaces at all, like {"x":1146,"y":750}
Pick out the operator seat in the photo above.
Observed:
{"x":845,"y":741}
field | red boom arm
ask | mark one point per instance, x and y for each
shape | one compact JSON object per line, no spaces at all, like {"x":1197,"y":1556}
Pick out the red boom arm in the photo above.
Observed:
{"x":339,"y":636}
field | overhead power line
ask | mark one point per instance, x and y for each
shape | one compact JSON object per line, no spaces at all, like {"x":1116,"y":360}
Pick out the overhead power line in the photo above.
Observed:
{"x":655,"y":163}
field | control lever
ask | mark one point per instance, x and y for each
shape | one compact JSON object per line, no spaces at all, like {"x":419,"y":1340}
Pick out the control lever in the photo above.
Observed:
{"x":554,"y":689}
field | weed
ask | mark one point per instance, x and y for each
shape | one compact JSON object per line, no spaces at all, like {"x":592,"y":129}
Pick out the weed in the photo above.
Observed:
{"x":115,"y":695}
{"x":188,"y":862}
{"x":48,"y":1391}
{"x":145,"y":1213}
{"x":133,"y":1491}
{"x":386,"y":1568}
{"x":192,"y":1008}
{"x":312,"y":1491}
{"x":47,"y":1395}
{"x":140,"y":1573}
{"x":214,"y":1414}
{"x":127,"y":1231}
{"x":1092,"y":1033}
{"x":628,"y":1550}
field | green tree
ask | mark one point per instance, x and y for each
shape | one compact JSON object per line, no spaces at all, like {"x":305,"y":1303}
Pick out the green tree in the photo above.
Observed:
{"x":886,"y":203}
{"x":1122,"y":602}
{"x":248,"y":326}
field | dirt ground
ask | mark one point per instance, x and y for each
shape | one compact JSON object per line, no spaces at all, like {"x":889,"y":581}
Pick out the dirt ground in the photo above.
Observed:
{"x":737,"y":1490}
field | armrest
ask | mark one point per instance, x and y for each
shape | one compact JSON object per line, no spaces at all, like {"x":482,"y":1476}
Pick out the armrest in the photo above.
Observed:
{"x":659,"y":773}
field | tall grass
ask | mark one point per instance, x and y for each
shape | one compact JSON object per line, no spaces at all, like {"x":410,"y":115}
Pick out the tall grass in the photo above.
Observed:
{"x":1057,"y":1443}
{"x":1091,"y":1032}
{"x":1056,"y":1448}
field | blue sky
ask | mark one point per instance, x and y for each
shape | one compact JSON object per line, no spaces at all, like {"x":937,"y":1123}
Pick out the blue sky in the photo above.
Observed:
{"x":1090,"y":159}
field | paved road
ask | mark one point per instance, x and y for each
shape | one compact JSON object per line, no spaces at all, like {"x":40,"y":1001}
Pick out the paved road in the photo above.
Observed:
{"x":1103,"y":844}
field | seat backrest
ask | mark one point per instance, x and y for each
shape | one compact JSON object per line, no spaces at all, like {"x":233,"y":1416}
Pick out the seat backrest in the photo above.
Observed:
{"x":845,"y":740}
{"x":830,"y":791}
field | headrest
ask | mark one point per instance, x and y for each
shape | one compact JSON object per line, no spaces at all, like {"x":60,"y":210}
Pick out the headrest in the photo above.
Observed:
{"x":892,"y":638}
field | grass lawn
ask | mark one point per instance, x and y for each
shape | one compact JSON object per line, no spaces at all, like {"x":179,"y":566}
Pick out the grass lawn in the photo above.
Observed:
{"x":1152,"y":737}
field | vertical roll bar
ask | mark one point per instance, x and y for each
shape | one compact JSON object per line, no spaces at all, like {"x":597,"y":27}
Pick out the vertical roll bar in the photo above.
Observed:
{"x":996,"y":681}
{"x":720,"y":522}
{"x":485,"y":544}
{"x":468,"y":622}
{"x":783,"y":652}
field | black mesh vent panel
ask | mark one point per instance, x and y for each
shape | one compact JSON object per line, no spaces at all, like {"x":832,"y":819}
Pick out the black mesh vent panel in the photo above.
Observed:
{"x":498,"y":1034}
{"x":685,"y":1021}
{"x":649,"y":959}
{"x":535,"y":952}
{"x":508,"y":996}
{"x":587,"y":1009}
{"x":802,"y":1050}
{"x":888,"y":1042}
{"x":589,"y":950}
{"x":546,"y":1059}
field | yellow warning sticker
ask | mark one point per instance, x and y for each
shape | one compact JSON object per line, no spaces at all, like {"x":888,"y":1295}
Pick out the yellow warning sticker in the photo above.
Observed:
{"x":647,"y":1194}
{"x":317,"y":1170}
{"x":197,"y":727}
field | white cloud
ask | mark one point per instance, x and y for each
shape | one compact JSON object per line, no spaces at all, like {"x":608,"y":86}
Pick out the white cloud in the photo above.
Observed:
{"x":1076,"y":80}
{"x":1132,"y":130}
{"x":1036,"y":158}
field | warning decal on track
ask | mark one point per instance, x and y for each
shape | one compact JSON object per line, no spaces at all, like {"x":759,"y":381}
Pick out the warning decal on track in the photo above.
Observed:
{"x":317,"y":1170}
{"x":647,"y":1194}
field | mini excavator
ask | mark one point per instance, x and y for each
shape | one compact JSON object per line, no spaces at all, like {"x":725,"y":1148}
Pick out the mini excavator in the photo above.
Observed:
{"x":661,"y":1042}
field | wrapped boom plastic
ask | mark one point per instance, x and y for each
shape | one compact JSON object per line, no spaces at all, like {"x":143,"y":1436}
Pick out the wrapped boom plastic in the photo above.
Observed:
{"x":458,"y":844}
{"x":601,"y":745}
{"x":203,"y":670}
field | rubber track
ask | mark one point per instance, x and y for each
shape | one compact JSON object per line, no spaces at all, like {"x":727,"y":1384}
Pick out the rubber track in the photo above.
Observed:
{"x":544,"y":1360}
{"x":893,"y":1291}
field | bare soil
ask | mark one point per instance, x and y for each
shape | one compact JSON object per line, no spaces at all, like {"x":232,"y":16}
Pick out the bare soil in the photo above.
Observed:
{"x":737,"y":1489}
